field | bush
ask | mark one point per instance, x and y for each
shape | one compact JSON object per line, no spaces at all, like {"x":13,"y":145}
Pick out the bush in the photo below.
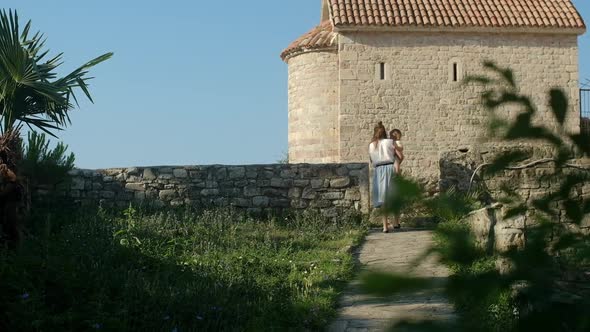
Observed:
{"x":43,"y":165}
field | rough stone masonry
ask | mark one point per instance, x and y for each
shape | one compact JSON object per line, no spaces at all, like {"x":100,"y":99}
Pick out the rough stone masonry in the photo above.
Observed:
{"x":345,"y":77}
{"x":329,"y":188}
{"x":529,"y":183}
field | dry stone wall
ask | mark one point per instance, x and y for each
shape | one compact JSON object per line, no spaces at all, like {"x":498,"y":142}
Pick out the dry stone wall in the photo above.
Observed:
{"x":256,"y":188}
{"x":530,"y":183}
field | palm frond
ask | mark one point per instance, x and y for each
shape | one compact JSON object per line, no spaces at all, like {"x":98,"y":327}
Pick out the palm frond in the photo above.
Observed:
{"x":30,"y":91}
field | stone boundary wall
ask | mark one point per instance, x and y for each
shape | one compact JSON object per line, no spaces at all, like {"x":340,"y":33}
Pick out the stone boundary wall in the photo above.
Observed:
{"x":457,"y":167}
{"x":530,"y":183}
{"x":329,"y":188}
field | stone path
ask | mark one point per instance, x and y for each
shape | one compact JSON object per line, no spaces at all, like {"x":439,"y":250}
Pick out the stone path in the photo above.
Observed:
{"x":393,"y":252}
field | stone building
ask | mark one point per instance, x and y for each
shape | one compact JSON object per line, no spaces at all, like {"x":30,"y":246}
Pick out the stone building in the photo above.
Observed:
{"x":402,"y":62}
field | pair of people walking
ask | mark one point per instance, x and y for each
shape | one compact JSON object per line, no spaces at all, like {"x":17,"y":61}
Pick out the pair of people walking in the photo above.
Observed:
{"x":386,"y":155}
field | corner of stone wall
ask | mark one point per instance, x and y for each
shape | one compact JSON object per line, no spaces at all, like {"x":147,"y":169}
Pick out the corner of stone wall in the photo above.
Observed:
{"x":364,"y":186}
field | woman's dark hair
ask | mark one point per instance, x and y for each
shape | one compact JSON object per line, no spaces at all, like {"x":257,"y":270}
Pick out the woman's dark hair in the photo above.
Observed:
{"x":379,"y":133}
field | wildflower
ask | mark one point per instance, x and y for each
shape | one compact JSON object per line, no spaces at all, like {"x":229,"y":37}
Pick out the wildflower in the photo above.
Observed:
{"x":24,"y":296}
{"x":166,"y":317}
{"x":97,"y":326}
{"x":199,"y":317}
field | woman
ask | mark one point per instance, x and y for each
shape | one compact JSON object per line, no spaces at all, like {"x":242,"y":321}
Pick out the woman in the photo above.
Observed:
{"x":382,"y":153}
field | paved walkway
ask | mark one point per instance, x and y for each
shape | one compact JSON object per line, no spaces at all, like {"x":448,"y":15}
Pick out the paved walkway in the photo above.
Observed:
{"x":392,"y":252}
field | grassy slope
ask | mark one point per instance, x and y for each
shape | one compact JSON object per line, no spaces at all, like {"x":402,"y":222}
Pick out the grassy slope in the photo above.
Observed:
{"x":159,"y":272}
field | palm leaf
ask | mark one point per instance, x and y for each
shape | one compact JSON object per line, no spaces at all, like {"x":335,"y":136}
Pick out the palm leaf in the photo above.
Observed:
{"x":30,"y":91}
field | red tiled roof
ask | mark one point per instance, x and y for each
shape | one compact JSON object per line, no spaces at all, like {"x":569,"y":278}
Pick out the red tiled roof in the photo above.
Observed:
{"x":321,"y":37}
{"x":456,"y":13}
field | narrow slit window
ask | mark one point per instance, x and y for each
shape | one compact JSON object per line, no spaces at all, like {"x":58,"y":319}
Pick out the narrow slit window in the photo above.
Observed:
{"x":455,"y":72}
{"x":382,"y":71}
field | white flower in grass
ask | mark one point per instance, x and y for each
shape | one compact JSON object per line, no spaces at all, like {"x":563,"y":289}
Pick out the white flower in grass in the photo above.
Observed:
{"x":25,"y":296}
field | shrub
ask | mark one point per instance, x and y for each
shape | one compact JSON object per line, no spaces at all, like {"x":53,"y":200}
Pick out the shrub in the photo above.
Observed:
{"x":44,"y":165}
{"x":535,"y":293}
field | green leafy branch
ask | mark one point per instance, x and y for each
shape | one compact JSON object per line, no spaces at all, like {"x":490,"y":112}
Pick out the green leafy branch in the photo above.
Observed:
{"x":535,"y":273}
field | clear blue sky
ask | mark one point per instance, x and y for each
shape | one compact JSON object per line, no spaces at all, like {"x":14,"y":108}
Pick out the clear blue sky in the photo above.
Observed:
{"x":192,"y":82}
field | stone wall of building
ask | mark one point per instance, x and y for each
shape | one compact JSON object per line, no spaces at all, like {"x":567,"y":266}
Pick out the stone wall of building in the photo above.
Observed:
{"x":313,"y":108}
{"x":419,"y":96}
{"x":256,"y":188}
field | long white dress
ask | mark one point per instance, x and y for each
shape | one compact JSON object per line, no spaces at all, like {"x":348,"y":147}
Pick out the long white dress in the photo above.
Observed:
{"x":383,"y":158}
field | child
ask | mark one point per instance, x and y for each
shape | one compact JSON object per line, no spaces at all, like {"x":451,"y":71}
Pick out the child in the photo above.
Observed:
{"x":396,"y":136}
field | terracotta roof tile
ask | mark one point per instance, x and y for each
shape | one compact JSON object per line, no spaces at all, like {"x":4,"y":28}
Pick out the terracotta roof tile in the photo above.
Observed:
{"x":457,"y":13}
{"x":321,"y":37}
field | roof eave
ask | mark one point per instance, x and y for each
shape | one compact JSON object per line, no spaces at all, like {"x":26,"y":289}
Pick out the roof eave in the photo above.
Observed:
{"x":285,"y":56}
{"x":450,"y":29}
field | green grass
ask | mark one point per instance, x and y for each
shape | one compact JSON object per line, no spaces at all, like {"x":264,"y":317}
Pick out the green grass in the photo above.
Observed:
{"x":177,"y":271}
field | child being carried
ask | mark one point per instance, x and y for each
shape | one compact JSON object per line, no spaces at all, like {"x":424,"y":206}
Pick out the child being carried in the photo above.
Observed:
{"x":396,"y":136}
